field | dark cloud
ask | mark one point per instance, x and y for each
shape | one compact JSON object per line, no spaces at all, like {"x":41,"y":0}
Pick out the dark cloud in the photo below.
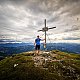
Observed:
{"x":68,"y":1}
{"x":73,"y":28}
{"x":75,"y":11}
{"x":54,"y":19}
{"x":71,"y":38}
{"x":13,"y":1}
{"x":46,"y":6}
{"x":19,"y":15}
{"x":72,"y":7}
{"x":36,"y":6}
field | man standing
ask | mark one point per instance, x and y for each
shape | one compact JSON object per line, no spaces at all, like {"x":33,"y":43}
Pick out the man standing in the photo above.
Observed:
{"x":37,"y":44}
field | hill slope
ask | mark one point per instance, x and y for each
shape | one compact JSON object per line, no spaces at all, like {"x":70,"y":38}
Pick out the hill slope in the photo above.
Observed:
{"x":52,"y":65}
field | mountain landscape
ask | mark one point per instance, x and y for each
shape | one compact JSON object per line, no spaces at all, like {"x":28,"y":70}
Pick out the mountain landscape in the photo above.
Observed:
{"x":48,"y":65}
{"x":59,"y":61}
{"x":8,"y":47}
{"x":54,"y":23}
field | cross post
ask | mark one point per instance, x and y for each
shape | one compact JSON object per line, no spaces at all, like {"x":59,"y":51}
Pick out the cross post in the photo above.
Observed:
{"x":44,"y":30}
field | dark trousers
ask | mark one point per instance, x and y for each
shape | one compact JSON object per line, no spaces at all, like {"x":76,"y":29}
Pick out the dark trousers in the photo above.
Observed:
{"x":37,"y":47}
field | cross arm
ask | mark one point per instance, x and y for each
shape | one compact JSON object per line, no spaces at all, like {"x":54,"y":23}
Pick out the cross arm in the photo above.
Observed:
{"x":52,"y":28}
{"x":40,"y":30}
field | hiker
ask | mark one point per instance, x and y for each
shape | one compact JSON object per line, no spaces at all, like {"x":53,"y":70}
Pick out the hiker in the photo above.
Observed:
{"x":37,"y":44}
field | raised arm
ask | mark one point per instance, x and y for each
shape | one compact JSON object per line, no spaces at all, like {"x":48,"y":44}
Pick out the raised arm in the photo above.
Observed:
{"x":42,"y":39}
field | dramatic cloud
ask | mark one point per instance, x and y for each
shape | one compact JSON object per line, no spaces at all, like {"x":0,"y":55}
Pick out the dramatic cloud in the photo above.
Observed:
{"x":71,"y":38}
{"x":21,"y":19}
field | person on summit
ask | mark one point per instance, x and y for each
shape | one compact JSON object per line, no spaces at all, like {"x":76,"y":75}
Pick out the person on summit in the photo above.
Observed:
{"x":37,"y":44}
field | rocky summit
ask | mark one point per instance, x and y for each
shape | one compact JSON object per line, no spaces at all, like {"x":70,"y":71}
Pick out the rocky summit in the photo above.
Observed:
{"x":48,"y":65}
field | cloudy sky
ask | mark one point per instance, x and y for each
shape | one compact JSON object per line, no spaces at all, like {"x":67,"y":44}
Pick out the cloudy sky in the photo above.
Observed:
{"x":21,"y":19}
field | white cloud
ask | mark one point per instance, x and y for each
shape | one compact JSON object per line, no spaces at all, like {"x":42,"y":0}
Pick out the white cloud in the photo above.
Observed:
{"x":21,"y":19}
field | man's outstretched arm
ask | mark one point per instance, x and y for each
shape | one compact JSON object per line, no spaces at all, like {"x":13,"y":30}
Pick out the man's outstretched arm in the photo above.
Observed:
{"x":42,"y":39}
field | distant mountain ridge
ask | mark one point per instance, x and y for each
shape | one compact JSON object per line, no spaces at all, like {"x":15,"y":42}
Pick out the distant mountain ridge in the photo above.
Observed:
{"x":4,"y":41}
{"x":66,"y":47}
{"x":14,"y":48}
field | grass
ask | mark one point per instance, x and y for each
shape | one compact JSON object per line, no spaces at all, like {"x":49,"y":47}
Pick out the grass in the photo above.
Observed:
{"x":21,"y":67}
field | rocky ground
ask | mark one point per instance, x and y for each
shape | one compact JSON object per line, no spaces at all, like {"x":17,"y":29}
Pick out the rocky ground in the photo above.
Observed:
{"x":43,"y":58}
{"x":48,"y":65}
{"x":49,"y":59}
